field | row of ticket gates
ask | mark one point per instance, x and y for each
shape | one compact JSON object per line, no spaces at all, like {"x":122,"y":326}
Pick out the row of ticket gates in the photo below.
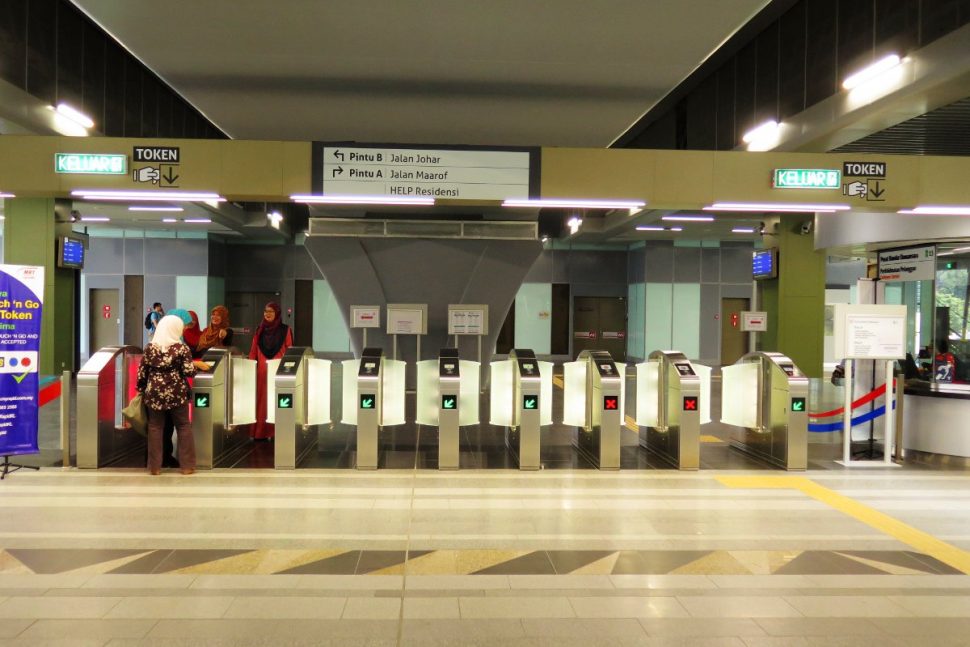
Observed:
{"x":763,"y":395}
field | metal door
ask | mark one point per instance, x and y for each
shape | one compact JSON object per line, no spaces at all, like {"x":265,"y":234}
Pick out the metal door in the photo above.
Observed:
{"x":245,"y":313}
{"x":734,"y":343}
{"x":104,"y":319}
{"x":599,"y":323}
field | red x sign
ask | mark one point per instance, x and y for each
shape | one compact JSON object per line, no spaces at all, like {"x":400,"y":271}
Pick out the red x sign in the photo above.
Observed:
{"x":690,"y":403}
{"x":611,"y":403}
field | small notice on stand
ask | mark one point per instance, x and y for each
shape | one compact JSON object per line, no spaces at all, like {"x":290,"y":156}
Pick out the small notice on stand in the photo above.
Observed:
{"x":870,"y":331}
{"x":407,"y":319}
{"x":365,"y":316}
{"x":466,"y":319}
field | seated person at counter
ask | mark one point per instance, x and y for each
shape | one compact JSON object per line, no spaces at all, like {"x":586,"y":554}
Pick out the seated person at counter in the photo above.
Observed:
{"x":944,"y":363}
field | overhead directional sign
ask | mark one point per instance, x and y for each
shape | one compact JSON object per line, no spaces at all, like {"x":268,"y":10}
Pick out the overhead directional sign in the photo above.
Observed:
{"x":530,"y":402}
{"x":449,"y":402}
{"x":284,"y":401}
{"x":428,"y":173}
{"x":807,"y":178}
{"x":90,"y":164}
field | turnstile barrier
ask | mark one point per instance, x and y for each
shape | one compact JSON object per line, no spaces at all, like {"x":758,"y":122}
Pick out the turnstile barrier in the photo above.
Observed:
{"x":447,"y":398}
{"x":593,"y":400}
{"x":213,"y":393}
{"x":521,"y":401}
{"x":673,"y":401}
{"x":105,"y":384}
{"x":300,"y":401}
{"x":766,"y":395}
{"x":373,"y":397}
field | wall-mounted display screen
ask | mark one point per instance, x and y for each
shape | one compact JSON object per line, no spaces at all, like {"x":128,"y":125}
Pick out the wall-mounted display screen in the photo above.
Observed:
{"x":764,"y":264}
{"x":70,"y":253}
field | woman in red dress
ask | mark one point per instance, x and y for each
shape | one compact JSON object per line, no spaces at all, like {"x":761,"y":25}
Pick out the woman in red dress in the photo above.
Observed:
{"x":271,"y":340}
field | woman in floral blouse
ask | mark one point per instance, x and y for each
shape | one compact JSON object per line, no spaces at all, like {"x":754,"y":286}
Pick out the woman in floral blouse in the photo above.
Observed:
{"x":166,"y":364}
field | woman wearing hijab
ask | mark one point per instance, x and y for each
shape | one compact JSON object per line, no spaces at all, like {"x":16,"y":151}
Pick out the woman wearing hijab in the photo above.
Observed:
{"x":192,"y":333}
{"x":217,"y":334}
{"x":271,"y":340}
{"x":165,"y":366}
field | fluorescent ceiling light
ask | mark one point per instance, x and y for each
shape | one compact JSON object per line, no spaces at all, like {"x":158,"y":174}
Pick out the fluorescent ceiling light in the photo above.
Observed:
{"x":7,"y":195}
{"x":568,"y":203}
{"x":197,"y":220}
{"x":954,"y":251}
{"x":869,"y":73}
{"x":169,"y":220}
{"x":776,"y":206}
{"x":937,"y":210}
{"x":68,"y":127}
{"x":676,"y":229}
{"x":689,"y":218}
{"x":75,"y":115}
{"x":743,"y":230}
{"x":155,"y":196}
{"x":362,"y":199}
{"x":95,"y":219}
{"x":135,"y":208}
{"x":767,"y":130}
{"x":650,"y":228}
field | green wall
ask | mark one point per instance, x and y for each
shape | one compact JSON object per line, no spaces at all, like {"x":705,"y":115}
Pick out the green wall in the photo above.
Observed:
{"x":30,"y":235}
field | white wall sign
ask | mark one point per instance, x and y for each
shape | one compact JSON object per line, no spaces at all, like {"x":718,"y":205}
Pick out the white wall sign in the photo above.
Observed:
{"x":910,"y":264}
{"x":447,"y":174}
{"x":870,"y":331}
{"x":467,"y":319}
{"x":754,"y":321}
{"x":365,"y":316}
{"x":407,"y":319}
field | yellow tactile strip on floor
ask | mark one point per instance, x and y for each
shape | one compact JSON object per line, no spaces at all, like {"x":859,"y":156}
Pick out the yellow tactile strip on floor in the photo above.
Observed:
{"x":471,"y":562}
{"x":936,"y":549}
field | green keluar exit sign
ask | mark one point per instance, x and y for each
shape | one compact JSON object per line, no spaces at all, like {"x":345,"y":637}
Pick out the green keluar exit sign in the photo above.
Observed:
{"x":90,"y":163}
{"x":807,"y":178}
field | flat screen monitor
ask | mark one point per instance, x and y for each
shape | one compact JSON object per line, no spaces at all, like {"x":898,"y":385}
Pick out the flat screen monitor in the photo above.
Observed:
{"x":70,"y":253}
{"x":764,"y":264}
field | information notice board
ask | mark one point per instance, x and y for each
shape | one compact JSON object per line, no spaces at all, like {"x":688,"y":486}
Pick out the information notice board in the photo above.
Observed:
{"x":870,"y":331}
{"x":468,"y":319}
{"x":407,"y":319}
{"x":21,"y":304}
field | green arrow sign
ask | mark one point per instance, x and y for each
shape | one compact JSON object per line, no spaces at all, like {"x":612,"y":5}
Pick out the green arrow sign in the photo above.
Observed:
{"x":530,"y":402}
{"x":367,"y":401}
{"x":798,"y":405}
{"x":284,"y":401}
{"x":202,"y":400}
{"x":449,"y":402}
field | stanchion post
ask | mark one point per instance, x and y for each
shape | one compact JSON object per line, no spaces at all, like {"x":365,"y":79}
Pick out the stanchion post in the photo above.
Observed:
{"x":889,"y":422}
{"x":66,"y":419}
{"x":848,"y":383}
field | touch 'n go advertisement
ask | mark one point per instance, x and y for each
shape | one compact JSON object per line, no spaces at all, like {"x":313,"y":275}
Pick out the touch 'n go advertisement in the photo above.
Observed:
{"x":21,"y":303}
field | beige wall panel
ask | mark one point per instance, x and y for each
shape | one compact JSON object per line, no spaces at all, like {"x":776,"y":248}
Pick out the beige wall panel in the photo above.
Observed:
{"x":682,"y":180}
{"x":597,"y":173}
{"x":943,"y":182}
{"x":296,"y":168}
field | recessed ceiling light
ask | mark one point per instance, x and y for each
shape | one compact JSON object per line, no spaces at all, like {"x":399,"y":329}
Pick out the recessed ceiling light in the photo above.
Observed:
{"x":170,"y":196}
{"x":871,"y":72}
{"x":362,"y":199}
{"x":743,"y":230}
{"x":689,"y":218}
{"x":75,"y":115}
{"x":136,"y":208}
{"x":938,"y":210}
{"x":568,"y":203}
{"x":169,"y":220}
{"x":95,"y":219}
{"x":650,"y":228}
{"x":197,"y":220}
{"x":776,"y":206}
{"x":676,"y":229}
{"x":7,"y":195}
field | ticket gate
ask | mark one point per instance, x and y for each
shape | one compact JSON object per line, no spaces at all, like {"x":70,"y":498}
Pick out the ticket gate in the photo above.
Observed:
{"x":593,"y":403}
{"x":105,"y":384}
{"x":521,"y":401}
{"x":448,"y":397}
{"x":373,"y":397}
{"x":673,"y":401}
{"x":767,"y":396}
{"x":223,"y":399}
{"x":298,"y":399}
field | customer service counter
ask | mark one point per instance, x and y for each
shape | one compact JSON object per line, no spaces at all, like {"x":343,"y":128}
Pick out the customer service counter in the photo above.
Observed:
{"x":934,"y":422}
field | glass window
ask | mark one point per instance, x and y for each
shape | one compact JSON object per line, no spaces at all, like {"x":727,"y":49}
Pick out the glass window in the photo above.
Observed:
{"x":951,"y":336}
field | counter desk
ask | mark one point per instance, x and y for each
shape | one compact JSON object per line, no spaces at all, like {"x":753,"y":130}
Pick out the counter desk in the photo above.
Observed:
{"x":936,"y":422}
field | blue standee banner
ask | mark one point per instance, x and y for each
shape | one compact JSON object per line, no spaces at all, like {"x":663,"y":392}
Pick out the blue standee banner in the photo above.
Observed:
{"x":21,"y":303}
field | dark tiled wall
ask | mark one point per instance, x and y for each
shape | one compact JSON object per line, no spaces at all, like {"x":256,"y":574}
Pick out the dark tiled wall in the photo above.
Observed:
{"x":796,"y":61}
{"x":54,"y":52}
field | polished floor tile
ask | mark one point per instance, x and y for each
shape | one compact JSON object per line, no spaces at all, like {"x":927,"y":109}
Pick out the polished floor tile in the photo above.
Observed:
{"x":485,"y":607}
{"x":58,"y":607}
{"x":738,"y":607}
{"x":627,"y":607}
{"x":846,"y":606}
{"x":296,"y":608}
{"x":171,"y":607}
{"x":372,"y":609}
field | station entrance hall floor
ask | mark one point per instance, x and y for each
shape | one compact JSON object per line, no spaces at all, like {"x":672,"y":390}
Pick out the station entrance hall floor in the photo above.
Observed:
{"x":485,"y":557}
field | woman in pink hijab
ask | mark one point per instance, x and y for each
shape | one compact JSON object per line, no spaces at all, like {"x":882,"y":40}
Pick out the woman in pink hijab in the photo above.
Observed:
{"x":271,"y":340}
